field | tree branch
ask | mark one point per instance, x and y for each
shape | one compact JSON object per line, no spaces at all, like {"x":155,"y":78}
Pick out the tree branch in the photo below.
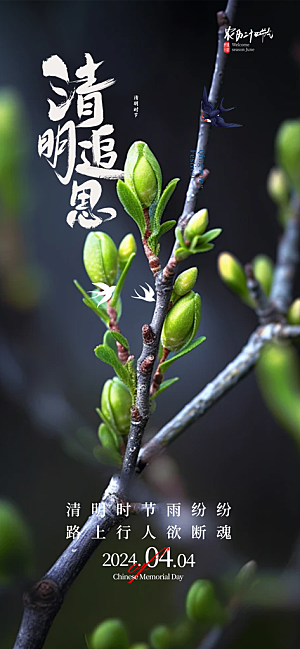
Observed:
{"x":223,"y":382}
{"x":165,"y":279}
{"x":44,"y":599}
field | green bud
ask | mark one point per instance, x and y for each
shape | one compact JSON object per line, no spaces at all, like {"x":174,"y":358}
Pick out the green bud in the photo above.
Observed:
{"x":288,"y":150}
{"x":202,"y":604}
{"x":107,"y":438}
{"x":278,"y":187}
{"x":293,"y":315}
{"x":245,"y":577}
{"x":126,"y":248}
{"x":196,"y":225}
{"x":263,"y":269}
{"x":185,"y":281}
{"x":279,"y":380}
{"x":182,"y":322}
{"x":100,"y":258}
{"x":142,"y":173}
{"x":161,"y":637}
{"x":233,"y":275}
{"x":111,"y":634}
{"x":116,"y":404}
{"x":182,"y":635}
{"x":15,"y":544}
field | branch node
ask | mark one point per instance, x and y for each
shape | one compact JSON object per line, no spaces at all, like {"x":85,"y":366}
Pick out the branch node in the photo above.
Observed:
{"x":44,"y":594}
{"x":222,"y":20}
{"x":169,"y":270}
{"x":148,"y":334}
{"x":135,"y":413}
{"x":147,"y":364}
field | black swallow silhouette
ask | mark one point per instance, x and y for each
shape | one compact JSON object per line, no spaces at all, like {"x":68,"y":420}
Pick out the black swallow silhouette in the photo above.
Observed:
{"x":211,"y":115}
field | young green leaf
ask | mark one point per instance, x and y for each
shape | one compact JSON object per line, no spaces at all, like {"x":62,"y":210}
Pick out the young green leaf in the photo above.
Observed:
{"x":109,"y":340}
{"x":153,"y":243}
{"x":165,"y":227}
{"x":121,"y":339}
{"x":210,"y":235}
{"x":204,"y":247}
{"x":180,"y":238}
{"x":132,"y":373}
{"x":121,"y":280}
{"x":107,"y":456}
{"x":106,"y":355}
{"x":164,"y":199}
{"x":166,"y":364}
{"x":114,"y":431}
{"x":182,"y":253}
{"x":118,"y":308}
{"x":88,"y":301}
{"x":131,"y":205}
{"x":163,"y":386}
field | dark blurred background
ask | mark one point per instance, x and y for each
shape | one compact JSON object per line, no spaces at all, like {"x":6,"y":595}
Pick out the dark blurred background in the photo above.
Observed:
{"x":51,"y":380}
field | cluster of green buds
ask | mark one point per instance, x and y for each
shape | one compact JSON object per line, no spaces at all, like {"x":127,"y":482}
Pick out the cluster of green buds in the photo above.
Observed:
{"x":141,"y":193}
{"x":203,"y":605}
{"x":233,"y":275}
{"x":116,"y":402}
{"x":195,"y":238}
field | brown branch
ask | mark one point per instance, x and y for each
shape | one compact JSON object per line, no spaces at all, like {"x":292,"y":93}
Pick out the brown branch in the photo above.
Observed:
{"x":158,"y":376}
{"x":123,"y":353}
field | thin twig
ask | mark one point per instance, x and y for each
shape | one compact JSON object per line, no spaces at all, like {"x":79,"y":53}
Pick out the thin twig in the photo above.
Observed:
{"x":224,"y":19}
{"x":265,"y":310}
{"x":223,"y":382}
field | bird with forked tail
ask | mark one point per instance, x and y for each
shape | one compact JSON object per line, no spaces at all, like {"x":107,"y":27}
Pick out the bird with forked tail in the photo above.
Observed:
{"x":212,"y":115}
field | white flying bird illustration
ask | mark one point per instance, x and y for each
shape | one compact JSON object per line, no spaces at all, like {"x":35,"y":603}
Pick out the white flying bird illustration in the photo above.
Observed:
{"x":105,"y":291}
{"x":149,"y":294}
